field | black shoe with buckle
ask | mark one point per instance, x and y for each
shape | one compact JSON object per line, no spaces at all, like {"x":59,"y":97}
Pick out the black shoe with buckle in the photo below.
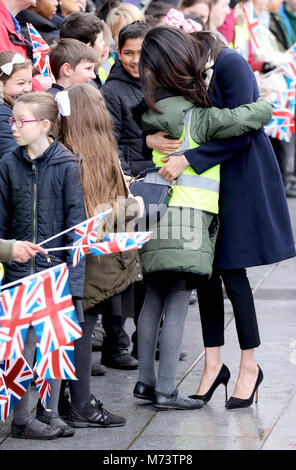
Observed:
{"x":92,"y":415}
{"x":163,"y":401}
{"x":29,"y":431}
{"x":54,"y":419}
{"x":144,"y":391}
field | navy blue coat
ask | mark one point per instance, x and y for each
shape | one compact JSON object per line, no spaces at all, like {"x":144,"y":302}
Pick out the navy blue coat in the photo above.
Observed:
{"x":255,"y":223}
{"x":60,"y":205}
{"x":7,"y":142}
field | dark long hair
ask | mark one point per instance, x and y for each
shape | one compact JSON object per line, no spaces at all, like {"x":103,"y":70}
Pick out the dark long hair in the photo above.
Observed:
{"x":176,"y":61}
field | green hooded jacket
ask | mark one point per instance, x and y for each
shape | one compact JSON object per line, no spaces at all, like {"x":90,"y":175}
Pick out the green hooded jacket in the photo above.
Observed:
{"x":184,"y":239}
{"x":206,"y":123}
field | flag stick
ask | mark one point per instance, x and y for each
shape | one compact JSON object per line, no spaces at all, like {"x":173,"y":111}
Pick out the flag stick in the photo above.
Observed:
{"x":72,"y":228}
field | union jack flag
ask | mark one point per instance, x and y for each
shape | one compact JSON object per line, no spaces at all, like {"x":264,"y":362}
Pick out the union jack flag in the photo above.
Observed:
{"x":86,"y":234}
{"x":289,"y":71}
{"x":121,"y":241}
{"x":292,"y":51}
{"x":256,"y":30}
{"x":17,"y":306}
{"x":281,"y":125}
{"x":285,"y":99}
{"x":44,"y":390}
{"x":4,"y":401}
{"x":55,"y":321}
{"x":45,"y":302}
{"x":15,"y":378}
{"x":58,"y":364}
{"x":40,"y":52}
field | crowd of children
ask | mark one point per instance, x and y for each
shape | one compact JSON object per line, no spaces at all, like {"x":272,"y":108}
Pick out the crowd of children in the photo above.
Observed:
{"x":60,"y":166}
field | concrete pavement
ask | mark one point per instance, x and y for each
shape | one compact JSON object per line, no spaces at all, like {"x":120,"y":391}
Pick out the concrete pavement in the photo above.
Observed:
{"x":270,"y":424}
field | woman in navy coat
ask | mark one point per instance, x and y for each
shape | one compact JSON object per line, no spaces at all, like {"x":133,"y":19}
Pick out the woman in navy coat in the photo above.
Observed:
{"x":255,"y":227}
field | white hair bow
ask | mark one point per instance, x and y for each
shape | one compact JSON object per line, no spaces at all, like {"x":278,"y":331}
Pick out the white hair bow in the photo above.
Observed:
{"x":8,"y":67}
{"x":63,"y":102}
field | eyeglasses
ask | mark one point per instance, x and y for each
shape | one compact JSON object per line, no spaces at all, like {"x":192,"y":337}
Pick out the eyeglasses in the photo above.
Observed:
{"x":20,"y":122}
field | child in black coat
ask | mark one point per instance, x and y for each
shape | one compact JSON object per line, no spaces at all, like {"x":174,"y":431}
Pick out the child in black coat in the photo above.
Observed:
{"x":40,"y":196}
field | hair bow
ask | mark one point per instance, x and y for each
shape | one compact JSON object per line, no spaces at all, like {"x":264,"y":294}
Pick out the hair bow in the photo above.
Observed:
{"x":176,"y":18}
{"x":63,"y":102}
{"x":8,"y":67}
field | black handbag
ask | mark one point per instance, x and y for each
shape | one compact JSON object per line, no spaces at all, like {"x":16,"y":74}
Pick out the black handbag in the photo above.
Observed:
{"x":156,"y":195}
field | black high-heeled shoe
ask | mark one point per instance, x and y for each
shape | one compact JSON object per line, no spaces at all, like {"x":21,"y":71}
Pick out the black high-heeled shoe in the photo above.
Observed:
{"x":234,"y":402}
{"x":222,"y":378}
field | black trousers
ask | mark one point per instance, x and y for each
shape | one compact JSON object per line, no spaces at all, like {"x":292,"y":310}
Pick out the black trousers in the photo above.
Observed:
{"x":211,"y":306}
{"x":116,"y":338}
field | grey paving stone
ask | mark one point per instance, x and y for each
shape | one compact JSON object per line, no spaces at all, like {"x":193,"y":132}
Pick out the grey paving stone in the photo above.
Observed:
{"x":283,"y":435}
{"x":187,"y":443}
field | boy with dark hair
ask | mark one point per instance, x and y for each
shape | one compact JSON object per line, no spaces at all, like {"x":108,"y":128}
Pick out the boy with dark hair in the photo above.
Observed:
{"x":122,"y":92}
{"x":84,"y":27}
{"x":71,"y":62}
{"x":89,"y":29}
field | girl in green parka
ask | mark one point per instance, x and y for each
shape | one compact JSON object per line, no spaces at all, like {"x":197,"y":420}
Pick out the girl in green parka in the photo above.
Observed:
{"x":194,"y":125}
{"x":180,"y":255}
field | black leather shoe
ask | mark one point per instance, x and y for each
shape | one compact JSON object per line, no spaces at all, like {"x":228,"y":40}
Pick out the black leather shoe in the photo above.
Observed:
{"x":93,"y":415}
{"x":54,"y":419}
{"x":98,"y":369}
{"x":27,"y":431}
{"x":143,"y":391}
{"x":162,"y":401}
{"x":122,"y":360}
{"x":290,"y":189}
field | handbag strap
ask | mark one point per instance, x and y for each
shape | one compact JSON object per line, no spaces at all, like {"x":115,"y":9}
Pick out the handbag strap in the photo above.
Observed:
{"x":143,"y":173}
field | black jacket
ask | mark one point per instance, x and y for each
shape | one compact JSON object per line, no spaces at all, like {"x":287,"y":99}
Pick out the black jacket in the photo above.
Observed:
{"x":7,"y":142}
{"x":55,"y":89}
{"x":277,"y":27}
{"x":46,"y":28}
{"x":122,"y":92}
{"x":38,"y":199}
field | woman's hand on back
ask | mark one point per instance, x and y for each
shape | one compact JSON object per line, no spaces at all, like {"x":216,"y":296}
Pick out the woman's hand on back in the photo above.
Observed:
{"x":161,"y":143}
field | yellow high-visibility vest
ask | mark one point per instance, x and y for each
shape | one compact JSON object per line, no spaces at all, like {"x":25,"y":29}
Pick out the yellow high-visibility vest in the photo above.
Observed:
{"x":200,"y":191}
{"x":241,"y":40}
{"x":104,"y":70}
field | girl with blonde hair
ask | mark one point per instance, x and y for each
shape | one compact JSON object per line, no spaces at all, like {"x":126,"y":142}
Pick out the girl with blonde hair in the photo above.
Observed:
{"x":122,"y":15}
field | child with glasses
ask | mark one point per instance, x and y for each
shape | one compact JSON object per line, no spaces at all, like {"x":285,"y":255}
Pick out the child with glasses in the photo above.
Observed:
{"x":15,"y":80}
{"x":40,"y":196}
